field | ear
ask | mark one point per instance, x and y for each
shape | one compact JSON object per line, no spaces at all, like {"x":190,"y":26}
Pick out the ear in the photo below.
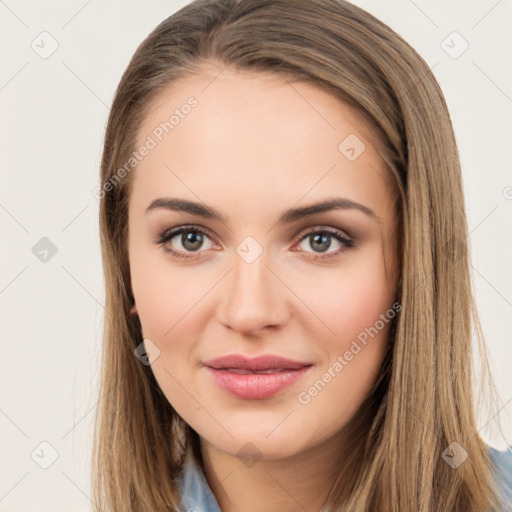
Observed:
{"x":133,"y":310}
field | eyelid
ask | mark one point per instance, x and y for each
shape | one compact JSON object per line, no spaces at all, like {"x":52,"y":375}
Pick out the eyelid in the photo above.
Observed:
{"x":319,"y":228}
{"x":303,"y":233}
{"x":347,"y":241}
{"x":169,"y":234}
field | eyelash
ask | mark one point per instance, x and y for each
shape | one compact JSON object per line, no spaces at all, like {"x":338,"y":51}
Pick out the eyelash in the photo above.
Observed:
{"x":167,"y":235}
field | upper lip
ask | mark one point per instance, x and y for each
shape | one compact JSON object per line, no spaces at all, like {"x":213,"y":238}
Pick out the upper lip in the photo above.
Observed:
{"x":265,"y":362}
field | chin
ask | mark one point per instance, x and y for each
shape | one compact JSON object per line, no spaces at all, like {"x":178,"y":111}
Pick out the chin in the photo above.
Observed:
{"x":256,"y":446}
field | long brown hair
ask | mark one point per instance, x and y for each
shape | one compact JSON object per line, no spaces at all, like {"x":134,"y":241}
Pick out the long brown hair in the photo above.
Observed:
{"x":423,"y":400}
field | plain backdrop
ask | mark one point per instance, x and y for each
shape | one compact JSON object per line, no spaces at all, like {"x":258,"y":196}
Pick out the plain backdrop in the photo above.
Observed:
{"x":53,"y":114}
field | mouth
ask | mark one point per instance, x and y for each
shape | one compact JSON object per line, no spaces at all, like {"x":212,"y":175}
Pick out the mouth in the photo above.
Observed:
{"x":266,"y":363}
{"x":257,"y":378}
{"x":242,"y":371}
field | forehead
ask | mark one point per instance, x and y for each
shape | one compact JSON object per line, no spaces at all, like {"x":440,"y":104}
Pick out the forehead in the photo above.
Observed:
{"x":253,"y":135}
{"x":260,"y":102}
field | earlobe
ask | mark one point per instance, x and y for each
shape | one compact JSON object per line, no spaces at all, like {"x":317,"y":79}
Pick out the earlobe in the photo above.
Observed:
{"x":133,"y":310}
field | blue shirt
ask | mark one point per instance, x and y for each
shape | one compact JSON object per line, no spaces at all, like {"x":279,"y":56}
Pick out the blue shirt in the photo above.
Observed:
{"x":196,"y":495}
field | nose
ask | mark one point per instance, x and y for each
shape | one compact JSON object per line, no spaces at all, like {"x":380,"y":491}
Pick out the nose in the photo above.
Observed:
{"x":254,"y":298}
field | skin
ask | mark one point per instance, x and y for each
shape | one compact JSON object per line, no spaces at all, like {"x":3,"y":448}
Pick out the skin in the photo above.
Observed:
{"x":252,"y":148}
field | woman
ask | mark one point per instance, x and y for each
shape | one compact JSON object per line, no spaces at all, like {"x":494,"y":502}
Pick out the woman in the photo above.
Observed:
{"x":285,"y":252}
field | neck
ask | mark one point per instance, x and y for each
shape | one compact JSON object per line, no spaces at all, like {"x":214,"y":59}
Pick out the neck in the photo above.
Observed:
{"x":298,"y":482}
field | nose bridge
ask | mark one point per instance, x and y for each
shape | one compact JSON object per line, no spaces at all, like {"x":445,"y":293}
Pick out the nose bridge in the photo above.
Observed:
{"x":254,"y":296}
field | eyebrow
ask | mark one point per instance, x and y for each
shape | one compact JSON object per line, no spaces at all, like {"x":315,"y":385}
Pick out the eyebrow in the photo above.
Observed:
{"x":289,"y":216}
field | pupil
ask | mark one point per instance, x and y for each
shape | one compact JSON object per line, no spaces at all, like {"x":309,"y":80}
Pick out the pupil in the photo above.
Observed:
{"x":191,"y":240}
{"x":321,"y":239}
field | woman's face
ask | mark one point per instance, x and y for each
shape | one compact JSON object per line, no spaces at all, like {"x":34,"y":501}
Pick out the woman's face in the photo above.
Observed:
{"x":258,"y":269}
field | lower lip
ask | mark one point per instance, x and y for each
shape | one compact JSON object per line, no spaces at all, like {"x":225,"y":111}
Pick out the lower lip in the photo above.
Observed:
{"x":256,"y":386}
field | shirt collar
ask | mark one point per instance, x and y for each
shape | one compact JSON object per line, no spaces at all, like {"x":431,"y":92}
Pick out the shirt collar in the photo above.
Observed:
{"x":196,"y":495}
{"x":502,"y":461}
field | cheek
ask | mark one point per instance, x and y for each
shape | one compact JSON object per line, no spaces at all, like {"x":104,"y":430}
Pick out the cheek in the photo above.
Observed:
{"x":357,"y":306}
{"x":349,"y":301}
{"x":361,"y":320}
{"x":361,"y":315}
{"x":167,"y":298}
{"x":170,"y":313}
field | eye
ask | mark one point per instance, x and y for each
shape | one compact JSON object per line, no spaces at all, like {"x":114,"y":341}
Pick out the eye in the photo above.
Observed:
{"x":183,"y":241}
{"x":189,"y":240}
{"x":320,"y":239}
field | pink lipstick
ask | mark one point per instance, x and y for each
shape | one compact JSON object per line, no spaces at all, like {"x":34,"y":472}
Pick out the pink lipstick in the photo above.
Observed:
{"x":255,"y":378}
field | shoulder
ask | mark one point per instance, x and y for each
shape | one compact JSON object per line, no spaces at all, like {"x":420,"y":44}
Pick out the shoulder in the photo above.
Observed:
{"x":502,"y":460}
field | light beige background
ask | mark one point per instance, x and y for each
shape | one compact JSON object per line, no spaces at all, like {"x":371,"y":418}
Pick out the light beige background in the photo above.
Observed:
{"x":53,"y":115}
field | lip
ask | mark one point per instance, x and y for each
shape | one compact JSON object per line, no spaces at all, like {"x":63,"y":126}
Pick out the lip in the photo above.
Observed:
{"x":265,"y":362}
{"x":234,"y":374}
